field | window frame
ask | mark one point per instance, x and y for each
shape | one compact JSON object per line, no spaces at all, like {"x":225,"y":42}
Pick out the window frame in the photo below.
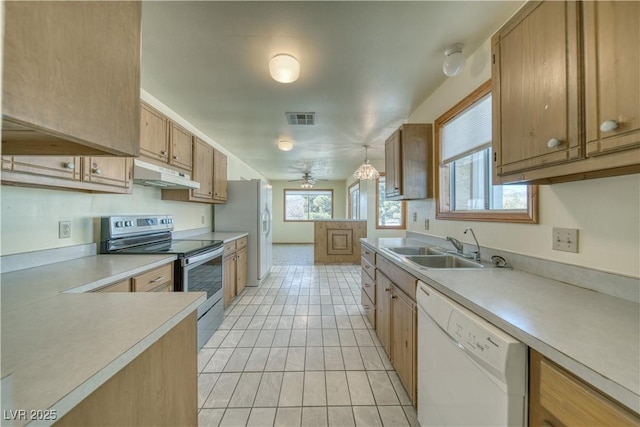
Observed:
{"x":403,"y":223}
{"x":530,"y":216}
{"x":311,"y":190}
{"x":356,"y":183}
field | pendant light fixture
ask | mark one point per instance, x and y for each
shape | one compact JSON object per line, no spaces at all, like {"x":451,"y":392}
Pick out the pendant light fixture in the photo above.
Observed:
{"x":366,"y":171}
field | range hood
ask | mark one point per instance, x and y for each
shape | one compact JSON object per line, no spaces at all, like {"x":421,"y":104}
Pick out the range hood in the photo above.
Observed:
{"x":157,"y":176}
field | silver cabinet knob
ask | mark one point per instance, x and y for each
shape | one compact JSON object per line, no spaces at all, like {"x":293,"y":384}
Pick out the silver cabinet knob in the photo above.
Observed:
{"x":164,"y":153}
{"x":97,"y":171}
{"x":609,"y":125}
{"x":553,"y":143}
{"x":69,"y":165}
{"x":176,"y":158}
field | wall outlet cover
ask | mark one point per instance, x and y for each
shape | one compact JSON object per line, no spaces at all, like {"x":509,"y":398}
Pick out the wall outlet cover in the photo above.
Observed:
{"x":64,"y":229}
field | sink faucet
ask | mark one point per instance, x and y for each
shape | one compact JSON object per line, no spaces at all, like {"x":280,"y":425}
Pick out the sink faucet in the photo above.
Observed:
{"x":477,"y":253}
{"x":456,"y":244}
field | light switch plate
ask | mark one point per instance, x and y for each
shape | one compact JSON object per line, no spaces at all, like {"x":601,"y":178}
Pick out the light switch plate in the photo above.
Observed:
{"x":565,"y":239}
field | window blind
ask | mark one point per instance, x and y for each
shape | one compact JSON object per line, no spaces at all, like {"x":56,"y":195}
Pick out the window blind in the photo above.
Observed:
{"x":467,"y":132}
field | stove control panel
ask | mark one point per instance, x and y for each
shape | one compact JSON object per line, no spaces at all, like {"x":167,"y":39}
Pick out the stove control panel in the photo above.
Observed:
{"x":132,"y":225}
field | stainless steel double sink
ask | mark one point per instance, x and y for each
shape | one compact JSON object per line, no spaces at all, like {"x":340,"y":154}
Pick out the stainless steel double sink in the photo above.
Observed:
{"x":434,"y":257}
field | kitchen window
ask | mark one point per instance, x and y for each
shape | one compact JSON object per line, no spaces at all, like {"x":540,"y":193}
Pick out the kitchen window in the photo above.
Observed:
{"x":463,"y":183}
{"x":390,"y":214}
{"x":354,"y":200}
{"x":308,"y":205}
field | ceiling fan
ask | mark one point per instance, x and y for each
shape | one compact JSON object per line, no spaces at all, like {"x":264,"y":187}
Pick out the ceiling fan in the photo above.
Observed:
{"x":307,"y":181}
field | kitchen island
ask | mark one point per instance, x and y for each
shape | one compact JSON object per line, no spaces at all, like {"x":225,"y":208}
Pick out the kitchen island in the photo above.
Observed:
{"x":338,"y":241}
{"x":70,"y":356}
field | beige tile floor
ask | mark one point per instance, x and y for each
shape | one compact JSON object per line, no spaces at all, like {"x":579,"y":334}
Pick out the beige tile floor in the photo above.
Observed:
{"x":298,"y":351}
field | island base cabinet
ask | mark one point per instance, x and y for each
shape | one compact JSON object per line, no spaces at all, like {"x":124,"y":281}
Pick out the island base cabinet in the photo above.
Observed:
{"x":557,"y":399}
{"x":158,"y":388}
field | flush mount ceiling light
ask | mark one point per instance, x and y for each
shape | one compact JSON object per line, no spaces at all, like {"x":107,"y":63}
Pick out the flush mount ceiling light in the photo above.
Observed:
{"x":454,"y":60}
{"x":285,"y":145}
{"x":284,"y":68}
{"x":366,"y":171}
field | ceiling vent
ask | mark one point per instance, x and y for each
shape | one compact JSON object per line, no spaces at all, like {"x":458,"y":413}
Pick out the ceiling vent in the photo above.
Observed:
{"x":306,"y":119}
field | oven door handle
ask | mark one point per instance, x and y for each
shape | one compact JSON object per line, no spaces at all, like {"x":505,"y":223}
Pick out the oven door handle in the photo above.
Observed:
{"x":202,"y":257}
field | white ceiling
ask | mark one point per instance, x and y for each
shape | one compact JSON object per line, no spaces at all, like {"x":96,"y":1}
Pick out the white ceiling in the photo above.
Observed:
{"x":365,"y":67}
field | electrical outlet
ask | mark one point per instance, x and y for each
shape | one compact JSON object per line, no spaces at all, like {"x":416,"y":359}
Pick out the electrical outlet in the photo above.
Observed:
{"x":64,"y":229}
{"x":426,"y":224}
{"x":202,"y":219}
{"x":565,"y":239}
{"x":415,"y":216}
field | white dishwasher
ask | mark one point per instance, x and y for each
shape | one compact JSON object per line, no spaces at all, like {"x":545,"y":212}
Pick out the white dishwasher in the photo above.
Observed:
{"x":470,"y":373}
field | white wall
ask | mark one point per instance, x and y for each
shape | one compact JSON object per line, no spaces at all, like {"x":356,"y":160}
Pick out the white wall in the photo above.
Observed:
{"x":302,"y":232}
{"x":606,"y":211}
{"x":29,"y":217}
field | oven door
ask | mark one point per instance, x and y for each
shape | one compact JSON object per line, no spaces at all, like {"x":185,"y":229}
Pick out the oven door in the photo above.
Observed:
{"x":203,"y":273}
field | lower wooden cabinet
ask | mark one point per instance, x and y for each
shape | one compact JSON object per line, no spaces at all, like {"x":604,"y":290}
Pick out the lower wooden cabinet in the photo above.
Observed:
{"x":557,"y":398}
{"x":158,"y":279}
{"x":122,"y":286}
{"x":158,"y":388}
{"x":235,"y":269}
{"x":395,"y":315}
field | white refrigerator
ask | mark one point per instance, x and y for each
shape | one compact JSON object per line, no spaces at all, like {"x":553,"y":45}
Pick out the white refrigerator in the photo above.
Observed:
{"x":248,"y":209}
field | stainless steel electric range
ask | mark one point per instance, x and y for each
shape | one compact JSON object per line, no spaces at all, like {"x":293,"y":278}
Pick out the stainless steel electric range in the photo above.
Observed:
{"x":197,"y":269}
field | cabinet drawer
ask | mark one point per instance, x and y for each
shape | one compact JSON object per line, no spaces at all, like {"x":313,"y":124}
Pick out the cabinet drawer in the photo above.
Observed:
{"x":229,"y":248}
{"x":153,"y":279}
{"x":369,"y":287}
{"x":575,"y":403}
{"x":164,"y":288}
{"x":368,"y":268}
{"x":241,"y":243}
{"x":369,"y":254}
{"x":123,"y":286}
{"x":398,"y":276}
{"x":369,"y":308}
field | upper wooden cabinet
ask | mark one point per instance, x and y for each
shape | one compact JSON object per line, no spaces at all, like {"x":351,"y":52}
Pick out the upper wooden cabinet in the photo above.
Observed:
{"x":154,"y":140}
{"x":181,"y":147}
{"x":561,"y":69}
{"x":210,"y":170}
{"x":164,"y":142}
{"x":408,"y":158}
{"x":100,"y":174}
{"x":612,"y":75}
{"x":71,"y":78}
{"x":219,"y":177}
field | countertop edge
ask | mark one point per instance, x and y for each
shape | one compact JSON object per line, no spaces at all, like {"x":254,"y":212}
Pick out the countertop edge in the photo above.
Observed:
{"x":607,"y":386}
{"x":71,"y":400}
{"x":88,"y":287}
{"x":225,"y":236}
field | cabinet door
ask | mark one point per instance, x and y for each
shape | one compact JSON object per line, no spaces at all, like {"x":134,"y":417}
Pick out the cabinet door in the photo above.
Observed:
{"x":181,"y":145}
{"x":112,"y":171}
{"x":154,"y":141}
{"x":219,"y":176}
{"x":241,"y":270}
{"x":403,"y":339}
{"x":393,"y":165}
{"x":229,"y":279}
{"x":67,"y":167}
{"x":202,"y":169}
{"x":536,"y":88}
{"x":79,"y":63}
{"x":612,"y":75}
{"x":383,"y":310}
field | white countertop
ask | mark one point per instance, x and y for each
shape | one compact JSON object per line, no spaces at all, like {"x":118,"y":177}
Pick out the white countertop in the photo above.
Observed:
{"x":225,"y":236}
{"x":593,"y":335}
{"x":58,"y":347}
